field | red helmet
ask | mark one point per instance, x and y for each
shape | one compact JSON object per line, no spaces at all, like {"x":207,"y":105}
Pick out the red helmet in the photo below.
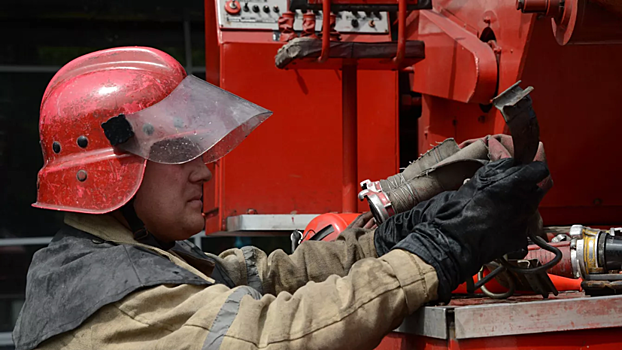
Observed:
{"x":105,"y":113}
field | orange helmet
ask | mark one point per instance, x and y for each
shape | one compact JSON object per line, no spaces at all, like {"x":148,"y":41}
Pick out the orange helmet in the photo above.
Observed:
{"x":106,"y":113}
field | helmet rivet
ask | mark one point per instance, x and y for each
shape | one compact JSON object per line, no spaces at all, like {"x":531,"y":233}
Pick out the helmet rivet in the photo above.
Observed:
{"x":81,"y":175}
{"x":56,"y":147}
{"x":83,"y":141}
{"x":148,"y":129}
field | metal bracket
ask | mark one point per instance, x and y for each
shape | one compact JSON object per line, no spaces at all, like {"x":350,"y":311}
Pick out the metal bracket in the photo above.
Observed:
{"x":515,"y":106}
{"x":539,"y":282}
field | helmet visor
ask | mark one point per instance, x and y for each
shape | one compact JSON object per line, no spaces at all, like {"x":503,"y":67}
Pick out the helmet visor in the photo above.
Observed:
{"x":196,"y":118}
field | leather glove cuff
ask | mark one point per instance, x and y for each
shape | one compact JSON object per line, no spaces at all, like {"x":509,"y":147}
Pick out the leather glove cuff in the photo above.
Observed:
{"x":399,"y":226}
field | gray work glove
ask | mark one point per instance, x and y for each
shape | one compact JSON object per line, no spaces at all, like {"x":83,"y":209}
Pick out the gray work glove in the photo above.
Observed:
{"x":485,"y":219}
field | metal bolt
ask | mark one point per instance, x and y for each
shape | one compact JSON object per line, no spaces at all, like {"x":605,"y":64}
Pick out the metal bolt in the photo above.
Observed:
{"x":81,"y":175}
{"x":562,"y":237}
{"x":148,"y":129}
{"x":520,"y":4}
{"x":83,"y":141}
{"x":56,"y":147}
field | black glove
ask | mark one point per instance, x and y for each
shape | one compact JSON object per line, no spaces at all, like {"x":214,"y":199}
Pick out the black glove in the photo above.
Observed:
{"x":365,"y":220}
{"x":398,"y":226}
{"x":485,"y":219}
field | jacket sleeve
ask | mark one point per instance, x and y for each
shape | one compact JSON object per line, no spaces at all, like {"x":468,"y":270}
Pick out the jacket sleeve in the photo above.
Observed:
{"x":351,"y":312}
{"x":313,"y":261}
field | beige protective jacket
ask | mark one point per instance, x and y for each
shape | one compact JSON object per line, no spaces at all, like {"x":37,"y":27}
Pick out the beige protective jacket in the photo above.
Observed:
{"x":327,"y":295}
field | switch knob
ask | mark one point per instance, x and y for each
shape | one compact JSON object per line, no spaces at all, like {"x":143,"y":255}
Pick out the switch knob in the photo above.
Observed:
{"x":232,"y":7}
{"x":266,"y":9}
{"x":354,"y":23}
{"x":275,"y":9}
{"x":255,"y":8}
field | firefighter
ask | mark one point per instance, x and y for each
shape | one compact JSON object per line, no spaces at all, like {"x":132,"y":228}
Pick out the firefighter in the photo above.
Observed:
{"x":125,"y":135}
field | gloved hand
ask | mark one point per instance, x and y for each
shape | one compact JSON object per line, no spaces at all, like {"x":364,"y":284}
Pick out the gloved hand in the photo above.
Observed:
{"x":485,"y":219}
{"x":399,"y":226}
{"x":365,"y":220}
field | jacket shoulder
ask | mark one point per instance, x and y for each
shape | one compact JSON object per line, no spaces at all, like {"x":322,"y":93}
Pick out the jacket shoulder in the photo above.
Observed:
{"x":79,"y":273}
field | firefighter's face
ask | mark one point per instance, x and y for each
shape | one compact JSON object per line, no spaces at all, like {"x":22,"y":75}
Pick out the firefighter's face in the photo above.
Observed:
{"x":169,"y":200}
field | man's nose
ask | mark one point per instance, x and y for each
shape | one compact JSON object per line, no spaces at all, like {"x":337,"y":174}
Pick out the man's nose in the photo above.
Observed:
{"x":200,"y":172}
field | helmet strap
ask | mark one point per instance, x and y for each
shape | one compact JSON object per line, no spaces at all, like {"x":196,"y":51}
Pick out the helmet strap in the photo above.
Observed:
{"x":140,"y":232}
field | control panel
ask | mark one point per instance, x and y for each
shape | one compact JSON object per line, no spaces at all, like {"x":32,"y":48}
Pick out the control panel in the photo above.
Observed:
{"x":264,"y":15}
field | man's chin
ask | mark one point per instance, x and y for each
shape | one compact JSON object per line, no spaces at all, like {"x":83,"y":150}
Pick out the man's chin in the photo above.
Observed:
{"x":195,"y":224}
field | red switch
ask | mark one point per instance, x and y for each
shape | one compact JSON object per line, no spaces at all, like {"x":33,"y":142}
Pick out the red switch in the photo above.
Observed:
{"x":232,"y":7}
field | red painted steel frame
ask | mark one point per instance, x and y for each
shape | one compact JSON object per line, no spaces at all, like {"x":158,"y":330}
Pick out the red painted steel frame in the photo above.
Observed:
{"x":599,"y":339}
{"x":457,"y":65}
{"x":349,"y":123}
{"x":363,"y":2}
{"x":325,"y":32}
{"x":292,"y":163}
{"x":401,"y":33}
{"x":576,"y":97}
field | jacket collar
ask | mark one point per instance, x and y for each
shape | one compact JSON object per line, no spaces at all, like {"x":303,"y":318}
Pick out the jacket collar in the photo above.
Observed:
{"x":105,"y":226}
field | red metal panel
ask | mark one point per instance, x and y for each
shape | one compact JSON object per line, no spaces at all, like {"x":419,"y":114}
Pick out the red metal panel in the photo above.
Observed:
{"x":394,"y":341}
{"x":481,"y":19}
{"x":363,"y":2}
{"x":293,"y":162}
{"x":596,"y":339}
{"x":212,"y":76}
{"x":593,"y":339}
{"x":577,"y":96}
{"x":577,"y":90}
{"x":349,"y":137}
{"x":378,"y":149}
{"x":457,"y":65}
{"x":585,"y":21}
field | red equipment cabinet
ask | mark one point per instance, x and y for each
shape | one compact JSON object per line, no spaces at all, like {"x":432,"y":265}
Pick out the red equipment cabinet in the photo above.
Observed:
{"x":292,"y":164}
{"x":577,"y":89}
{"x":473,"y":50}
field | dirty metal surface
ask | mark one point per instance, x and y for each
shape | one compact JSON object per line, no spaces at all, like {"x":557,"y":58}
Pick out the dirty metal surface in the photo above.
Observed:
{"x":429,"y":321}
{"x":482,"y":317}
{"x":269,"y":222}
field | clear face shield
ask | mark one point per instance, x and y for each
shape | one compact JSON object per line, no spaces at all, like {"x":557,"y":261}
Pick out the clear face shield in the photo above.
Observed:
{"x":196,"y":118}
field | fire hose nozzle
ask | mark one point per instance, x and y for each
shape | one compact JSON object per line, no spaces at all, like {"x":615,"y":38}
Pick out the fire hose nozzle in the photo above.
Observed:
{"x":379,"y":205}
{"x":369,"y":185}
